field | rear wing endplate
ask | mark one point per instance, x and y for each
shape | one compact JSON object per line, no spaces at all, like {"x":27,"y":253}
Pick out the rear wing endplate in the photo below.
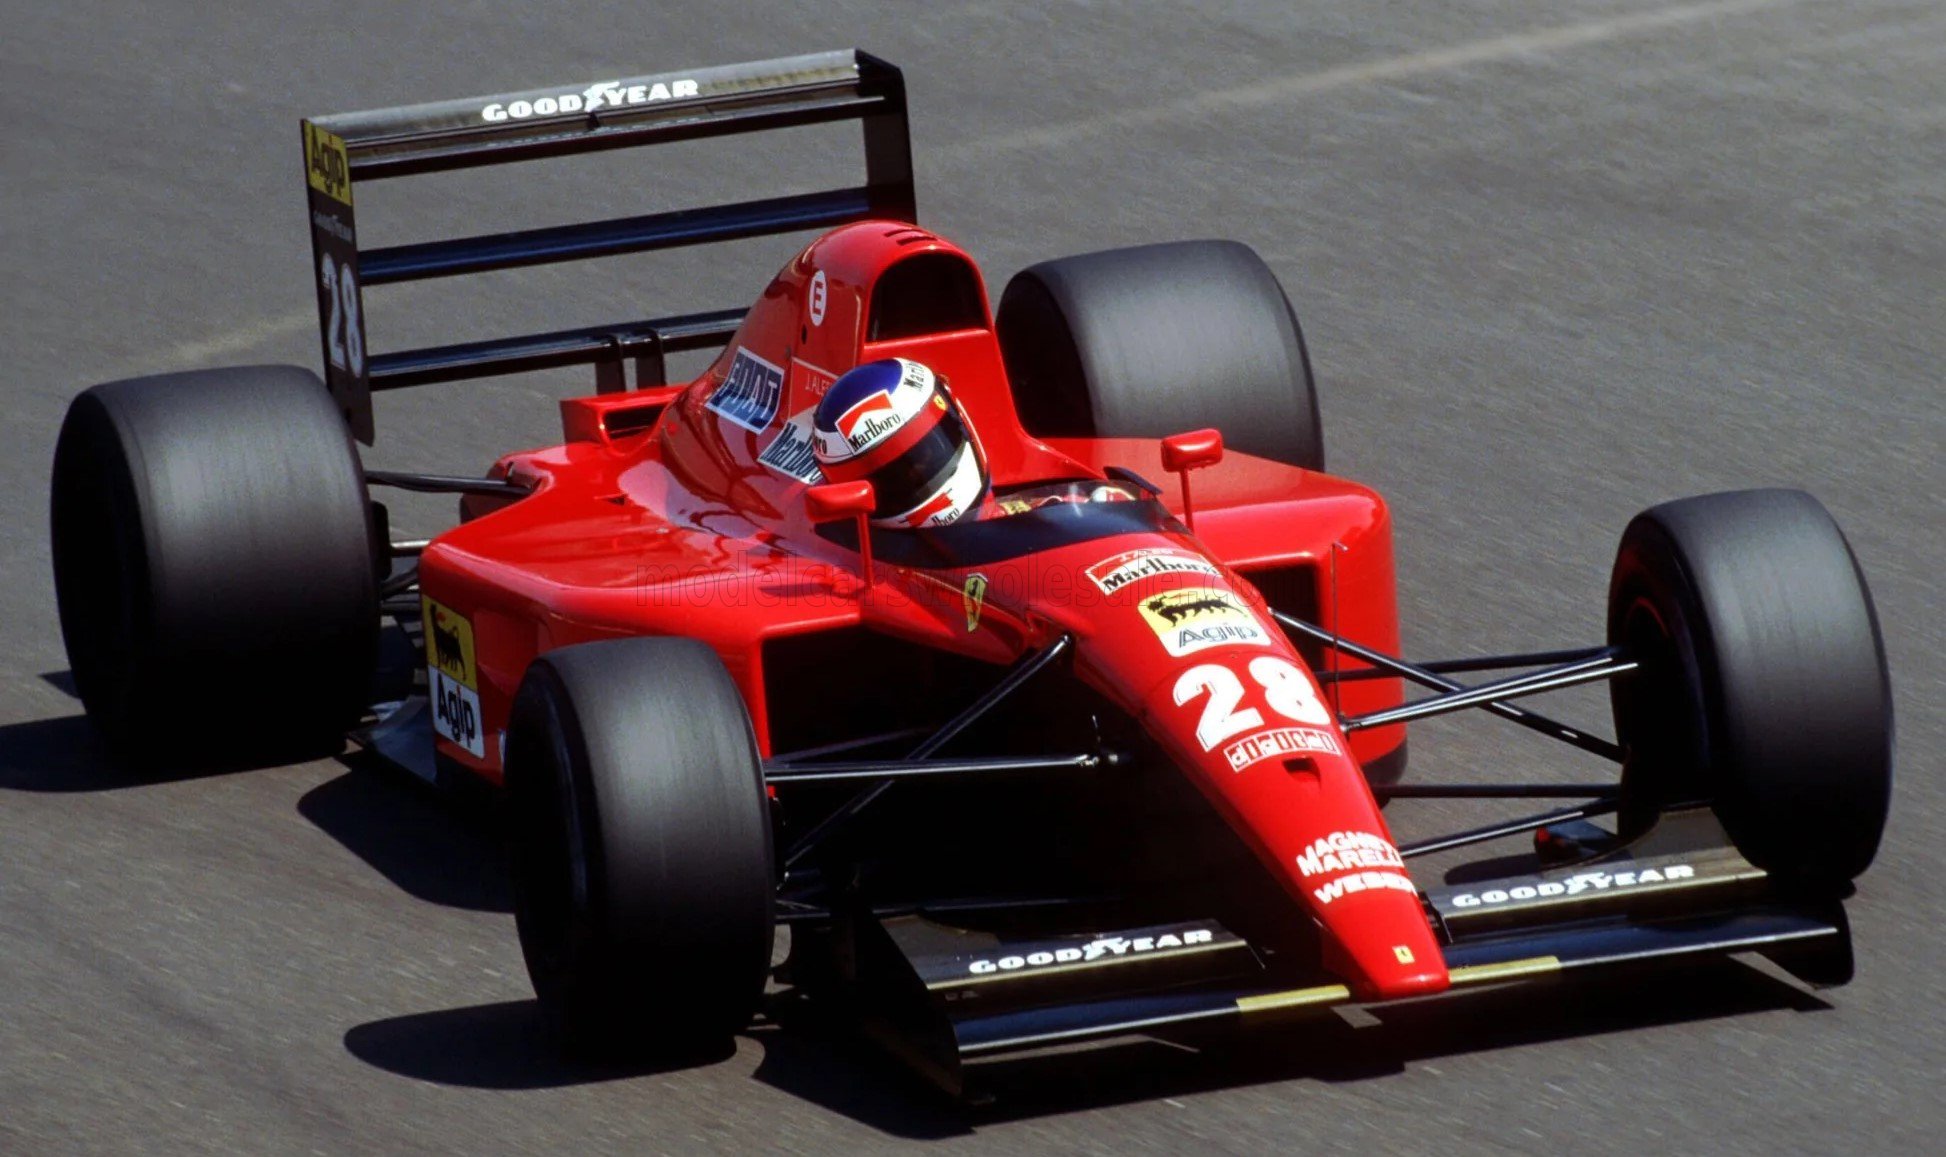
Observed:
{"x":345,"y":150}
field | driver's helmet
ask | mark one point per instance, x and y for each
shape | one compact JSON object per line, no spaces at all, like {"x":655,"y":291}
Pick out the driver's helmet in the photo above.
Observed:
{"x":893,"y":423}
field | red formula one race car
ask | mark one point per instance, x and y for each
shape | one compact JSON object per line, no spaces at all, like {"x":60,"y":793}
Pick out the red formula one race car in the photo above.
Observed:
{"x":1026,"y":664}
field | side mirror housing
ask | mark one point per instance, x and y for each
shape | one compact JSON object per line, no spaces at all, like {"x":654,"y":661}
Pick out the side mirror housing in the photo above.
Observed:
{"x":838,"y":501}
{"x":1192,"y":451}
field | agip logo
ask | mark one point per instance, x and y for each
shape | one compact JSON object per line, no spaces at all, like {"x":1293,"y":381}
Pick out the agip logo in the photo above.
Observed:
{"x":326,"y":163}
{"x":452,"y":677}
{"x":1195,"y":618}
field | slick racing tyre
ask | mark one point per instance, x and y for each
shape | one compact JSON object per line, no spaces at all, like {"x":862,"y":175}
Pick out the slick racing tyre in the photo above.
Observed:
{"x":641,"y":847}
{"x":1159,"y":339}
{"x":213,"y":562}
{"x":1762,"y":688}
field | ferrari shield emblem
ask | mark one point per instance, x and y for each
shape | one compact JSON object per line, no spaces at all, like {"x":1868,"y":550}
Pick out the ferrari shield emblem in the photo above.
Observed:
{"x":974,"y":597}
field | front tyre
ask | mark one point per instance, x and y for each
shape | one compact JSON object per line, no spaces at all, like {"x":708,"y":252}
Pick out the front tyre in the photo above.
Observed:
{"x":1762,"y":688}
{"x":641,"y":847}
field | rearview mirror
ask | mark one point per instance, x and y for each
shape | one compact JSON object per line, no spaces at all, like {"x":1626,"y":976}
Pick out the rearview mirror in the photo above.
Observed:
{"x":837,"y":501}
{"x":1192,"y":451}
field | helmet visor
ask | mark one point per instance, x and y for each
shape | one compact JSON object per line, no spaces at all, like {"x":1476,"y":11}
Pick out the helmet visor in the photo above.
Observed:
{"x":915,"y":475}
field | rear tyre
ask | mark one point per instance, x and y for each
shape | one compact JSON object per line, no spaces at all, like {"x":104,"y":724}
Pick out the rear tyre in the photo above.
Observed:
{"x":641,"y":847}
{"x":1159,"y":339}
{"x":213,"y":562}
{"x":1763,"y":687}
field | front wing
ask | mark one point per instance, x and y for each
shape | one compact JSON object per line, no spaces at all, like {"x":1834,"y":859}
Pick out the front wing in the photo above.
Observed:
{"x":940,"y":996}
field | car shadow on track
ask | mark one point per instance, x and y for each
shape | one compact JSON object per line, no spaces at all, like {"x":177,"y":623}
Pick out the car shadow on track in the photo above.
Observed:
{"x":501,"y":1046}
{"x":439,"y":846}
{"x":65,"y":754}
{"x":1329,"y":1048}
{"x":490,"y":1046}
{"x":504,"y":1047}
{"x":53,"y":755}
{"x":442,"y":847}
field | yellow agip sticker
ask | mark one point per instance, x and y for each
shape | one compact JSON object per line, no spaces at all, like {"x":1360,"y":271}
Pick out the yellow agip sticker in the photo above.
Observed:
{"x":449,"y":643}
{"x":452,"y":679}
{"x":1192,"y":618}
{"x":327,"y":163}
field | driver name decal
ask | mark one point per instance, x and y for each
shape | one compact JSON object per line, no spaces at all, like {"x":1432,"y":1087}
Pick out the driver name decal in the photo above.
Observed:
{"x":1195,"y":618}
{"x":750,"y":392}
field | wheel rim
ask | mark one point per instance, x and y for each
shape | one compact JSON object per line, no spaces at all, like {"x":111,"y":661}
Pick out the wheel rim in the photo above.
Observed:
{"x":1658,"y":718}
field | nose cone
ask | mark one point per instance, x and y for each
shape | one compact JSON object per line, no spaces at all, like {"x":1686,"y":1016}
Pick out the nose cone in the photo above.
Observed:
{"x":1376,"y":934}
{"x":1381,"y":945}
{"x":1226,"y":694}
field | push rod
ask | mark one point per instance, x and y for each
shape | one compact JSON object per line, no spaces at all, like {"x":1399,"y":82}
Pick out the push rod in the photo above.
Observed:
{"x":444,"y":483}
{"x":1600,"y":807}
{"x":1492,"y":790}
{"x":925,"y":769}
{"x":1534,"y":683}
{"x":1458,"y":666}
{"x":1026,"y":669}
{"x":1532,"y":720}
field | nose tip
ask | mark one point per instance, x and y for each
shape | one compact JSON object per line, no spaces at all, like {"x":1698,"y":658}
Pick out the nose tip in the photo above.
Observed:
{"x":1389,"y":959}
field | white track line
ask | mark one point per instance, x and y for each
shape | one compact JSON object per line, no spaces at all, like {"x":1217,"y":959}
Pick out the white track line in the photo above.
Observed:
{"x":1280,"y":89}
{"x":218,"y":348}
{"x":1487,"y":51}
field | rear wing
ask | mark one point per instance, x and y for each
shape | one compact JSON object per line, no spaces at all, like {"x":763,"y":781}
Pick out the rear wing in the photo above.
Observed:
{"x":345,"y":150}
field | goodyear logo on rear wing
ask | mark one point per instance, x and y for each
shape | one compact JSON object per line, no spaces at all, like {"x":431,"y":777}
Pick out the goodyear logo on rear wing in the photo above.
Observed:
{"x":452,"y":676}
{"x":600,"y":95}
{"x":327,"y":164}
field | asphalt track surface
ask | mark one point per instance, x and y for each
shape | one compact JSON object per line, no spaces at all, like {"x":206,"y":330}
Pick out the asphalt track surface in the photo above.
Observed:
{"x":1557,"y":260}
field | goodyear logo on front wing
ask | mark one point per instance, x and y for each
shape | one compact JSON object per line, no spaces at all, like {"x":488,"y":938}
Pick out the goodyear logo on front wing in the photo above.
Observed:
{"x":1193,"y":618}
{"x":327,"y":164}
